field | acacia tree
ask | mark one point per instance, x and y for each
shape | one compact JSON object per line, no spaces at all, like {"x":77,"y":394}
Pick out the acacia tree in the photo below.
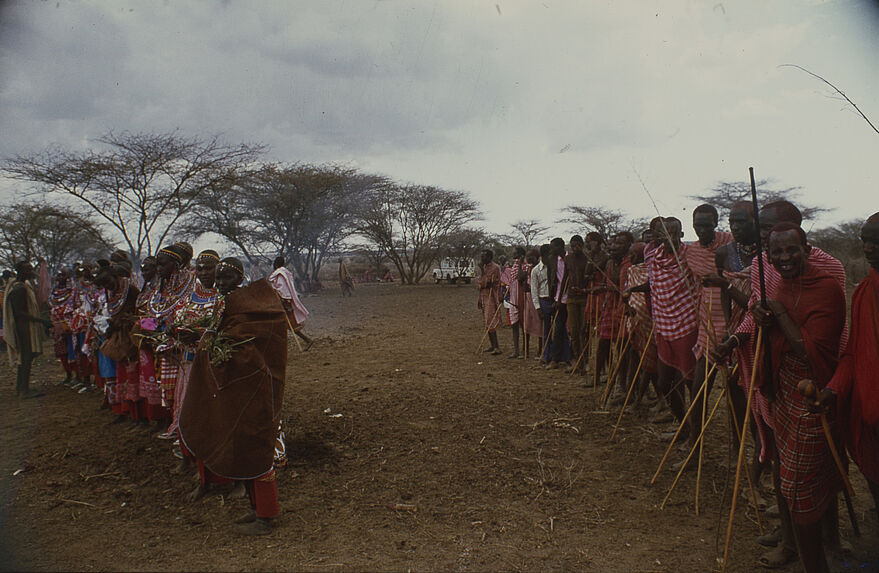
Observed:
{"x":529,"y":231}
{"x":725,"y":194}
{"x":606,"y":221}
{"x":409,"y":223}
{"x":57,"y":234}
{"x":302,"y":212}
{"x":463,"y":247}
{"x":843,"y":242}
{"x":140,"y":184}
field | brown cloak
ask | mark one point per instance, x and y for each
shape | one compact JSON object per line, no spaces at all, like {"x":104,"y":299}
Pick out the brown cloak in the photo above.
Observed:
{"x":230,"y":413}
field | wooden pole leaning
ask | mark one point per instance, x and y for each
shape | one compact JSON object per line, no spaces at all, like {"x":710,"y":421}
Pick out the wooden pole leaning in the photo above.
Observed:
{"x":698,"y":443}
{"x":745,"y":424}
{"x":611,"y":378}
{"x":633,"y":384}
{"x":488,"y":328}
{"x":677,"y":433}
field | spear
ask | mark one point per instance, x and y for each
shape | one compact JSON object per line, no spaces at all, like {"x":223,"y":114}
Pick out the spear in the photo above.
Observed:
{"x":767,"y":356}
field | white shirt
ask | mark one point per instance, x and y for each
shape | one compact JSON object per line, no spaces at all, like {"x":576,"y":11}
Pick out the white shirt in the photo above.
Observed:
{"x":539,"y":284}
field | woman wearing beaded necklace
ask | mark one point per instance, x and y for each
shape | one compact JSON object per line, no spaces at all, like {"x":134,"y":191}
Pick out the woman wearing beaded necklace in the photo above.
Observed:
{"x":188,"y":327}
{"x":119,"y":366}
{"x":175,"y":287}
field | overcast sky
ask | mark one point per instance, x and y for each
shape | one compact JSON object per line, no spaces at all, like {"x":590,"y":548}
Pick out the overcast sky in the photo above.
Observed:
{"x":529,"y":106}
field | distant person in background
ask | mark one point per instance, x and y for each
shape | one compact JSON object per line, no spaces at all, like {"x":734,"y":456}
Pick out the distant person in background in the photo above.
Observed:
{"x":7,"y":275}
{"x":346,"y":281}
{"x":490,"y":298}
{"x":283,"y":282}
{"x":23,"y":327}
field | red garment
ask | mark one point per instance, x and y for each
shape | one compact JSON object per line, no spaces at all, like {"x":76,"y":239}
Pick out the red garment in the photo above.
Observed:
{"x":809,"y":477}
{"x":700,"y":259}
{"x":856,"y":380}
{"x":745,"y":353}
{"x":490,"y":295}
{"x":641,"y":324}
{"x":677,"y":353}
{"x":613,"y":324}
{"x":672,"y":292}
{"x":263,"y":493}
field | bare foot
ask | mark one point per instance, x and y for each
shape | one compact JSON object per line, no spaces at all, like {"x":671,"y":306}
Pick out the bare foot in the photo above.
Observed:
{"x":198,"y":493}
{"x":238,"y":491}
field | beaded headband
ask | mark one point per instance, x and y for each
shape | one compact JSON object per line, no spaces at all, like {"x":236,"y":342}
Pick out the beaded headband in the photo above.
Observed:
{"x":208,"y":255}
{"x":177,"y":256}
{"x":222,"y":265}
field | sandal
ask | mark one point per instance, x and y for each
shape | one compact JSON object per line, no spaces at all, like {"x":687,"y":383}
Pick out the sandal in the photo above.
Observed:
{"x":770,"y":539}
{"x":777,"y":558}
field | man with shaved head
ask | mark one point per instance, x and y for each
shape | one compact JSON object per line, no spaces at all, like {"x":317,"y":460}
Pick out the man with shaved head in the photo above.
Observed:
{"x":802,"y":322}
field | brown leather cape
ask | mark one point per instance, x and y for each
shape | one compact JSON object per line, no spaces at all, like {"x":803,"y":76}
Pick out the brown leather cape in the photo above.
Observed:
{"x":230,"y":413}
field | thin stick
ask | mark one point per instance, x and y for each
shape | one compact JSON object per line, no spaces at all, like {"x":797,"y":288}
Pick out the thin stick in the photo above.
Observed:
{"x":674,"y":439}
{"x":732,"y":412}
{"x":78,"y":502}
{"x":835,"y":454}
{"x":634,"y":382}
{"x":698,"y":444}
{"x":612,"y":376}
{"x":704,"y":405}
{"x":555,"y":316}
{"x":490,"y":322}
{"x":745,"y":424}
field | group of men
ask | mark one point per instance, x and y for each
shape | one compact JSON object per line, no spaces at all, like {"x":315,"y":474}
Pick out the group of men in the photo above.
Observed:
{"x":191,"y":355}
{"x":673,"y":314}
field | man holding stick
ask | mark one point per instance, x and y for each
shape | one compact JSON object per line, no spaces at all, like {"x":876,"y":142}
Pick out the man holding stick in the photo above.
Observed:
{"x":804,"y":320}
{"x":490,"y":298}
{"x":701,"y":258}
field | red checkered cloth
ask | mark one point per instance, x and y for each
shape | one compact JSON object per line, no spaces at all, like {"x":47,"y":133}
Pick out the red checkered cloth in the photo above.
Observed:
{"x":490,"y":295}
{"x":740,"y":280}
{"x":613,"y":318}
{"x":745,"y":353}
{"x":672,"y":292}
{"x":809,"y":477}
{"x":700,"y":259}
{"x":641,"y":323}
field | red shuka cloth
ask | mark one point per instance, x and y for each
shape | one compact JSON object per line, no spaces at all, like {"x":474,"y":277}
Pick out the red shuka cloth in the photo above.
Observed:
{"x":809,"y":477}
{"x":857,"y":379}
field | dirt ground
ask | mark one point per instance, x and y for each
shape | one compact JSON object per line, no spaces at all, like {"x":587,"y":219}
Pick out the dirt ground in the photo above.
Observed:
{"x":499,"y":465}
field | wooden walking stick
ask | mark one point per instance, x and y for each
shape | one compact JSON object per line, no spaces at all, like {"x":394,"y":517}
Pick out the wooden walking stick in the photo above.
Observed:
{"x":611,"y":378}
{"x":704,"y":405}
{"x":555,"y":316}
{"x":808,"y":389}
{"x":633,"y":384}
{"x":490,"y":322}
{"x":745,"y":424}
{"x":698,"y":444}
{"x":674,"y":439}
{"x":732,"y":412}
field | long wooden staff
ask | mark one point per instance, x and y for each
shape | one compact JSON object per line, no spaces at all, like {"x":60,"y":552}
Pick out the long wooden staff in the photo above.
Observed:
{"x":611,"y":378}
{"x":490,"y":322}
{"x":633,"y":384}
{"x":808,"y":389}
{"x":680,"y":427}
{"x":735,"y":420}
{"x":768,"y":384}
{"x":704,"y":405}
{"x":698,"y":444}
{"x":745,"y":424}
